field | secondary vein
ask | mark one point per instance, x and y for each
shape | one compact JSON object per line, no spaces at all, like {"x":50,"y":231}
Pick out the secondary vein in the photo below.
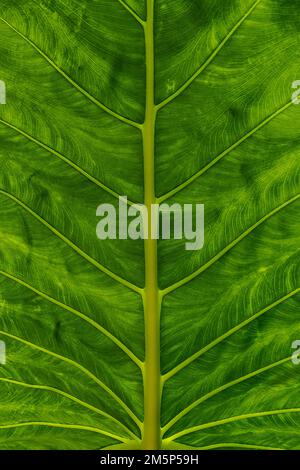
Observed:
{"x":63,"y":426}
{"x":224,"y":387}
{"x":226,"y":335}
{"x":70,"y":397}
{"x":132,"y":12}
{"x":71,"y":81}
{"x":235,"y":444}
{"x":85,"y":371}
{"x":79,"y":314}
{"x":78,"y":250}
{"x":231,"y":420}
{"x":225,"y":250}
{"x":209,"y":60}
{"x":66,"y":160}
{"x":203,"y":170}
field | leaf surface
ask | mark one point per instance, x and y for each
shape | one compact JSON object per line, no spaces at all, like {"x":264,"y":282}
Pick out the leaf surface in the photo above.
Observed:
{"x":186,"y":101}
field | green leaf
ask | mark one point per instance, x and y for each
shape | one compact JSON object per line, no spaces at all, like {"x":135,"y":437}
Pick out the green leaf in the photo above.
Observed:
{"x":122,"y":344}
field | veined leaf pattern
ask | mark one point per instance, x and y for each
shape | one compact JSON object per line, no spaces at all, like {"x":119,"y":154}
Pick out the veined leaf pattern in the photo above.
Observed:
{"x":121,"y":344}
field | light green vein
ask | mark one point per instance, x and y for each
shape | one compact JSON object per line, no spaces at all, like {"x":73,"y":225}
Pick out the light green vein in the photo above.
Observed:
{"x":71,"y":81}
{"x":224,"y":387}
{"x":221,"y":338}
{"x":236,"y":444}
{"x":231,"y":420}
{"x":132,"y":12}
{"x":78,"y":250}
{"x":131,"y":445}
{"x":203,"y":170}
{"x":66,"y":160}
{"x":79,"y":367}
{"x":84,"y":317}
{"x":225,"y":250}
{"x":78,"y":427}
{"x":70,"y":397}
{"x":208,"y":61}
{"x":180,"y":446}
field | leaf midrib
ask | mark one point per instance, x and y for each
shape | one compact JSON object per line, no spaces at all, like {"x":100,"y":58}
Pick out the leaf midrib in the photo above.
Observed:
{"x":134,"y":124}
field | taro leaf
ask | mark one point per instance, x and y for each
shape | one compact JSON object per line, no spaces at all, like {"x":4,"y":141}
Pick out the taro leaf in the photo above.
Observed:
{"x":185,"y":101}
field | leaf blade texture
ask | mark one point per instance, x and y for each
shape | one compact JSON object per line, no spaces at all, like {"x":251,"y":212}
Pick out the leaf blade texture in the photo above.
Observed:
{"x":179,"y":102}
